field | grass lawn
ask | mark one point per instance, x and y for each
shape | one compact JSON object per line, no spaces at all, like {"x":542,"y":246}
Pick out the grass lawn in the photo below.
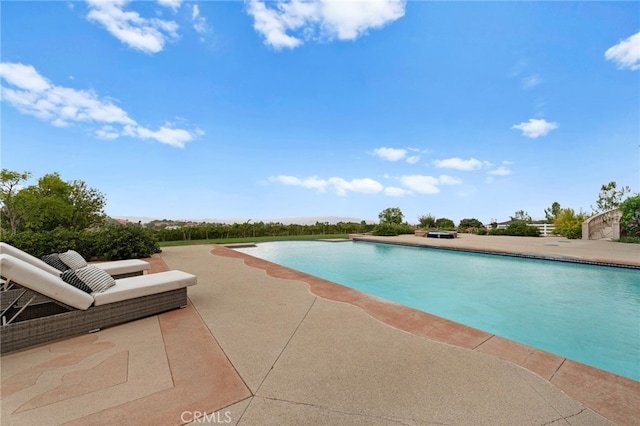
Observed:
{"x":250,"y":240}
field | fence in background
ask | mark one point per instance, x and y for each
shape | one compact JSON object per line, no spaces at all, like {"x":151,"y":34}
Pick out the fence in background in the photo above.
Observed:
{"x":546,"y":229}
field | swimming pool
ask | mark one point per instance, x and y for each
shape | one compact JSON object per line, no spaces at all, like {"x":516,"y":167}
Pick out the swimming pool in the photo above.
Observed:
{"x":587,"y":313}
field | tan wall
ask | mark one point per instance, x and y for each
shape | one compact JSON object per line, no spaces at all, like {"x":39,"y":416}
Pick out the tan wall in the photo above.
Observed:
{"x":603,"y":226}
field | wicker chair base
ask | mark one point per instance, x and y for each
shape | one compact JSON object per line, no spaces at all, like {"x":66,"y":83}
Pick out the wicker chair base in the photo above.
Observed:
{"x":47,"y":321}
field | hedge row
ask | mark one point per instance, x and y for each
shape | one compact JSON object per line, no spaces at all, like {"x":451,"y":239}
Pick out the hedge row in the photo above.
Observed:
{"x":113,"y":243}
{"x":519,"y":229}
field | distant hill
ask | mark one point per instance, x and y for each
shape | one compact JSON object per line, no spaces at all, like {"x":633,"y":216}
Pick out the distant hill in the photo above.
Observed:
{"x":285,"y":221}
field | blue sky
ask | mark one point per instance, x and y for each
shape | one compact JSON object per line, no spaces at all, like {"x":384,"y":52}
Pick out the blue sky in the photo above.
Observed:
{"x":267,"y":110}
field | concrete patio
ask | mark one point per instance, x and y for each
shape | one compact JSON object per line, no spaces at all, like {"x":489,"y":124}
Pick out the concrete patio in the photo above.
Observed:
{"x":262,"y":344}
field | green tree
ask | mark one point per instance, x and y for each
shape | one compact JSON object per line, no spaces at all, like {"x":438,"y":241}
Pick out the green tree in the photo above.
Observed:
{"x":427,"y":222}
{"x":609,"y":197}
{"x":445,"y":223}
{"x":88,"y":206}
{"x":630,"y":221}
{"x":470,"y":223}
{"x":522,"y":216}
{"x":9,"y":186}
{"x":391,"y":215}
{"x":569,"y":224}
{"x":552,"y":212}
{"x":53,"y":203}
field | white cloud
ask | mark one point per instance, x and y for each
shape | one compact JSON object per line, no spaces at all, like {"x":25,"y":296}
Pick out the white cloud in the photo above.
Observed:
{"x":320,"y":19}
{"x":449,"y":180}
{"x":394,"y":191}
{"x":531,"y":81}
{"x":535,"y":127}
{"x":340,"y":186}
{"x":167,"y":135}
{"x":421,"y":184}
{"x":173,"y":4}
{"x":146,"y":35}
{"x":32,"y":94}
{"x":626,"y":54}
{"x":396,"y":154}
{"x":390,"y":154}
{"x":107,"y":132}
{"x":459,"y":164}
{"x":364,"y":186}
{"x":199,"y":22}
{"x":23,"y":76}
{"x":273,"y":26}
{"x":500,"y":171}
{"x":311,"y":182}
{"x":287,"y":180}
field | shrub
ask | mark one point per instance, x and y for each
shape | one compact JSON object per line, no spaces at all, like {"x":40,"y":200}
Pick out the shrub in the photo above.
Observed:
{"x":445,"y":224}
{"x":126,"y":242}
{"x":521,"y":229}
{"x":59,"y":240}
{"x":115,"y":243}
{"x":427,"y":222}
{"x":631,"y":240}
{"x":569,"y":224}
{"x":480,"y":231}
{"x":387,"y":229}
{"x":630,"y":221}
{"x":469,"y":223}
{"x":574,"y":233}
{"x":517,"y":229}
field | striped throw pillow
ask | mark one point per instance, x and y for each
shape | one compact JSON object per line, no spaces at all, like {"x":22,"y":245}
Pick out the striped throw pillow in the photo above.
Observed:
{"x":69,"y":276}
{"x":54,"y":260}
{"x":73,"y":259}
{"x":97,"y":279}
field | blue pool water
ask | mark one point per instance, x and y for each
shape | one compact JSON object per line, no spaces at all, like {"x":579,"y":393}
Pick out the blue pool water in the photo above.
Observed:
{"x":583,"y":312}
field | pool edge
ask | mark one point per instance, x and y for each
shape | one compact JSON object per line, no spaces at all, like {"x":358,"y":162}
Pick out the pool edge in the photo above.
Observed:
{"x":559,"y":258}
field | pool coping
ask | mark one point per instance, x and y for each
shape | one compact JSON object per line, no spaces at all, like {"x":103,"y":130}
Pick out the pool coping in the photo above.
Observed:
{"x":612,"y":396}
{"x":565,"y":259}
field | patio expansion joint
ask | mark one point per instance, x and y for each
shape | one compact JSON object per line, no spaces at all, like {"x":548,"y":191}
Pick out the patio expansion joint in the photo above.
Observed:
{"x":213,"y":336}
{"x":349,"y":413}
{"x":491,"y":336}
{"x":285,"y":345}
{"x":557,"y":370}
{"x":561,"y":417}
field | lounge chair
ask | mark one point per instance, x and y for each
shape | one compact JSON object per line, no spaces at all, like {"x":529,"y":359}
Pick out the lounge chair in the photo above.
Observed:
{"x":43,"y":307}
{"x":116,"y":268}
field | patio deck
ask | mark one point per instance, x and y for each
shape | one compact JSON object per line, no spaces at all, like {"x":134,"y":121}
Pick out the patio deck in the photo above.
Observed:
{"x":262,"y":344}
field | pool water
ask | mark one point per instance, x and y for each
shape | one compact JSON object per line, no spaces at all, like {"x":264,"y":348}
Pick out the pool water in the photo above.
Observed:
{"x":587,"y":313}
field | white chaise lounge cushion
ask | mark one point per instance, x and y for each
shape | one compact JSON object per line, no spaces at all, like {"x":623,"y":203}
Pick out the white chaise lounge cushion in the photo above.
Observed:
{"x":26,"y":257}
{"x":116,"y":267}
{"x":121,"y":267}
{"x":144,"y":285}
{"x":36,"y":279}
